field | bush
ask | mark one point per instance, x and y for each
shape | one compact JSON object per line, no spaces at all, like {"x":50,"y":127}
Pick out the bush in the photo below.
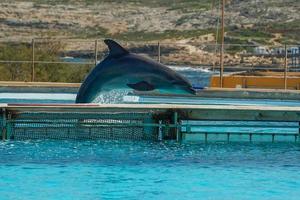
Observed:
{"x":47,"y":51}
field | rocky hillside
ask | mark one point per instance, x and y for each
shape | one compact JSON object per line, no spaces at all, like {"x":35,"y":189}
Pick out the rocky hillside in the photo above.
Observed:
{"x":247,"y":21}
{"x":139,"y":24}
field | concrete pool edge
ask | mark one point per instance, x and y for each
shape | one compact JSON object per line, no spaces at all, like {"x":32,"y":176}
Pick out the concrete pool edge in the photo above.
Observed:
{"x":277,"y":94}
{"x":38,"y":87}
{"x":234,"y":93}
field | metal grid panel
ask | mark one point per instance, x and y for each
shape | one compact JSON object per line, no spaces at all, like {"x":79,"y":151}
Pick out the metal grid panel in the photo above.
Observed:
{"x":240,"y":131}
{"x":41,"y":125}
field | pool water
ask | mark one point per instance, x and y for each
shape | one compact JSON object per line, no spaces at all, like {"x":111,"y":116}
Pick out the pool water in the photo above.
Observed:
{"x":47,"y":169}
{"x":210,"y":101}
{"x":91,"y":170}
{"x":61,"y":98}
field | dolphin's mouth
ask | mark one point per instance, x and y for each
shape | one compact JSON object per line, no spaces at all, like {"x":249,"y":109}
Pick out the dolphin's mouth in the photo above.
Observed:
{"x":192,"y":91}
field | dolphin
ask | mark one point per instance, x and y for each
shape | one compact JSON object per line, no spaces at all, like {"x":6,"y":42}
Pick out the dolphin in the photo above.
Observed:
{"x":122,"y":69}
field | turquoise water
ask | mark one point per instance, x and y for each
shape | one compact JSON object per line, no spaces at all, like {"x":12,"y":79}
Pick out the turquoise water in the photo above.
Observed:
{"x":70,"y":98}
{"x":48,"y":169}
{"x":215,"y":101}
{"x":91,"y":170}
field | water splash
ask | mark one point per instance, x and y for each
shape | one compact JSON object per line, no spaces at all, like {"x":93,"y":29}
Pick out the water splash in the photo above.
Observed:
{"x":114,"y":96}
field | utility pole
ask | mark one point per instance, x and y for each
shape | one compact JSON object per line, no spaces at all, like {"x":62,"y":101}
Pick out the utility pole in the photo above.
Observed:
{"x":222,"y":44}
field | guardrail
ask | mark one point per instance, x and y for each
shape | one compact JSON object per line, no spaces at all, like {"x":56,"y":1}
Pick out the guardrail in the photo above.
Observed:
{"x":237,"y":57}
{"x":150,"y":121}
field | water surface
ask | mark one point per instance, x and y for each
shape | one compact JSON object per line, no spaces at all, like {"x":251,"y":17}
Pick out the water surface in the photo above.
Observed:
{"x":49,"y":169}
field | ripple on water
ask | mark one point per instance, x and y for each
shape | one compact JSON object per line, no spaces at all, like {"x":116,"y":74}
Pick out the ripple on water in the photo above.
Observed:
{"x":147,"y":170}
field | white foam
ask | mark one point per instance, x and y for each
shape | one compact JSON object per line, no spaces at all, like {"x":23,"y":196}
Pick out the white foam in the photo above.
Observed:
{"x":134,"y":99}
{"x":113,"y":96}
{"x":181,"y":68}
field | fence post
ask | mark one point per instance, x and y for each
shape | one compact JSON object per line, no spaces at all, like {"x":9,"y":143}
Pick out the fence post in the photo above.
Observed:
{"x":299,"y":130}
{"x":4,"y":124}
{"x":158,"y":51}
{"x":96,"y":52}
{"x":285,"y":67}
{"x":298,"y":56}
{"x":32,"y":61}
{"x":222,"y":45}
{"x":160,"y":131}
{"x":178,"y":136}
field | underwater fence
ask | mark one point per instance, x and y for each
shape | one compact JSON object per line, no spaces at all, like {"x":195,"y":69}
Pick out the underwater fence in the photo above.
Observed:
{"x":154,"y":122}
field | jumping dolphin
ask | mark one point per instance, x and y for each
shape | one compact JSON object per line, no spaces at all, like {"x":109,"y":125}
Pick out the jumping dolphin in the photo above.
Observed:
{"x":122,"y":69}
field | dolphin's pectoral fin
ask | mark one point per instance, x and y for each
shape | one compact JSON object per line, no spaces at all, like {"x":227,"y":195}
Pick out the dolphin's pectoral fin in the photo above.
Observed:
{"x":141,"y":86}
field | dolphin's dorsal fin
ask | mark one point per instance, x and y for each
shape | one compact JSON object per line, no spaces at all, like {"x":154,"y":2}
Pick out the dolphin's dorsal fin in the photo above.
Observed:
{"x":115,"y":49}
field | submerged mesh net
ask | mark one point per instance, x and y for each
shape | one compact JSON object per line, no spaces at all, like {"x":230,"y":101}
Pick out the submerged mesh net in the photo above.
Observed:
{"x":138,"y":126}
{"x":42,"y":125}
{"x":1,"y":122}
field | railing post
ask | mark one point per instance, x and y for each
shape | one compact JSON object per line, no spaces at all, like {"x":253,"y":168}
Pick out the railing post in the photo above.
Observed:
{"x":285,"y":67}
{"x":8,"y":126}
{"x":4,"y":122}
{"x":299,"y":131}
{"x":178,"y":136}
{"x":160,"y":131}
{"x":96,"y":52}
{"x":297,"y":58}
{"x":32,"y":61}
{"x":158,"y":51}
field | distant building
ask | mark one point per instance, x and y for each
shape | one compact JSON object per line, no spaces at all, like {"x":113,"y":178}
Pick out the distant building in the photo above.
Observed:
{"x":293,"y":50}
{"x":261,"y":50}
{"x":290,"y":50}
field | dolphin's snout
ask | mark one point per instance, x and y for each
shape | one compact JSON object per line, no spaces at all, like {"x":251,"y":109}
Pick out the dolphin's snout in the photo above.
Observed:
{"x":192,"y":91}
{"x":184,"y":85}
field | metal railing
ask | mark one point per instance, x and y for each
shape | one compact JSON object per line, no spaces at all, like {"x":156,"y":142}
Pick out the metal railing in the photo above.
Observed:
{"x":149,"y":123}
{"x":237,"y":57}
